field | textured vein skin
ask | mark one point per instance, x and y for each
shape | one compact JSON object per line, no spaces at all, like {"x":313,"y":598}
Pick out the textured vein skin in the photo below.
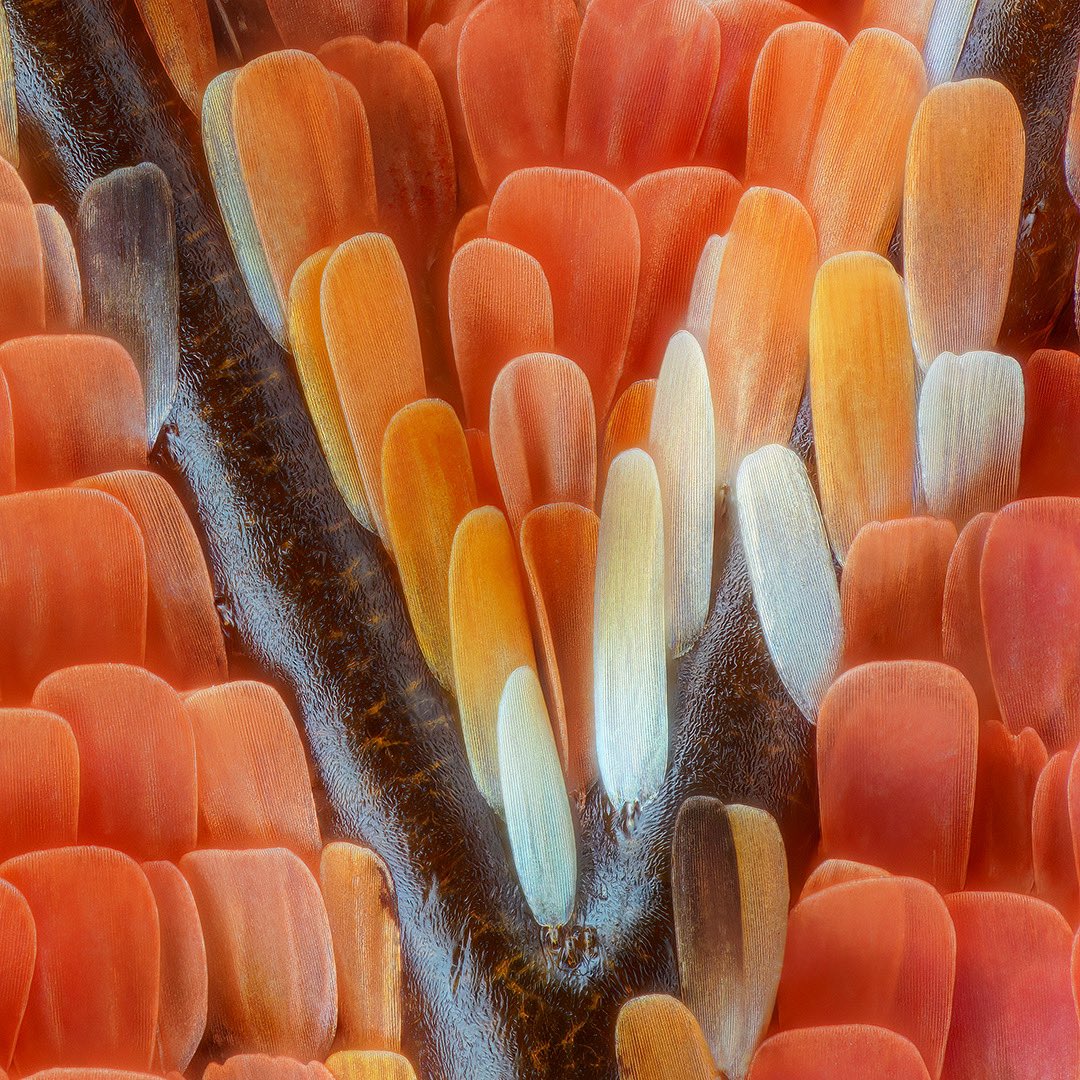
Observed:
{"x":310,"y":595}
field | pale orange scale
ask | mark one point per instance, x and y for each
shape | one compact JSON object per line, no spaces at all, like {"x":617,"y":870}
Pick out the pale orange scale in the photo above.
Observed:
{"x":488,"y":492}
{"x":892,"y":590}
{"x":839,"y":872}
{"x":583,"y":232}
{"x":18,"y":951}
{"x":745,"y":25}
{"x":963,"y":639}
{"x":439,"y":50}
{"x":184,"y":640}
{"x":1008,"y":772}
{"x":297,"y":160}
{"x":543,"y":434}
{"x":1048,"y":465}
{"x":182,"y":1009}
{"x":500,"y":308}
{"x":72,"y":585}
{"x":22,"y":264}
{"x":879,"y":952}
{"x":428,"y":488}
{"x":514,"y":65}
{"x":307,"y":24}
{"x":627,"y":426}
{"x":410,"y":138}
{"x":269,"y":954}
{"x":137,"y":788}
{"x":657,"y":1036}
{"x":1013,"y":1010}
{"x":76,"y":408}
{"x":558,"y":549}
{"x":677,"y":211}
{"x":792,"y":79}
{"x":361,"y":906}
{"x":856,"y":175}
{"x":7,"y":440}
{"x":254,"y":788}
{"x":1031,"y":590}
{"x":264,"y":1067}
{"x":184,"y":40}
{"x":1052,"y":844}
{"x":39,"y":781}
{"x":94,"y":996}
{"x":897,"y":744}
{"x":642,"y":84}
{"x":758,"y":338}
{"x":849,"y":1052}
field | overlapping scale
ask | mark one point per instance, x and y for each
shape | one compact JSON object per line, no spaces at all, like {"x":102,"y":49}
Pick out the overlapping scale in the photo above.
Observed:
{"x":848,"y":1052}
{"x":304,"y":24}
{"x":831,"y":872}
{"x":269,"y":954}
{"x":628,"y":425}
{"x":18,"y":952}
{"x":1052,"y":845}
{"x":264,"y":1067}
{"x":583,"y":232}
{"x":369,"y":1065}
{"x":897,"y":744}
{"x":1051,"y":424}
{"x":22,"y":269}
{"x":184,"y":40}
{"x":63,"y":279}
{"x":656,"y":1034}
{"x":137,"y":786}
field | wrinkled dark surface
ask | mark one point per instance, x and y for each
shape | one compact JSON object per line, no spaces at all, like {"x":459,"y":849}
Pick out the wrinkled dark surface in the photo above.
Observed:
{"x":313,"y":599}
{"x":1031,"y":46}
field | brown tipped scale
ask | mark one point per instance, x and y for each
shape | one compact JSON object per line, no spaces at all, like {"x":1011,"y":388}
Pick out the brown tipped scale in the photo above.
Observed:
{"x":72,"y":585}
{"x":184,"y":41}
{"x":757,"y":342}
{"x":297,"y":138}
{"x":22,"y":269}
{"x":862,"y":395}
{"x":39,"y":781}
{"x":9,"y":114}
{"x":892,"y":590}
{"x":1013,"y":1010}
{"x":677,"y":211}
{"x":1052,"y":844}
{"x":1072,"y":146}
{"x":514,"y":65}
{"x":1030,"y":582}
{"x":182,"y":1009}
{"x":305,"y":24}
{"x":856,"y":175}
{"x":847,"y":1052}
{"x":543,"y":434}
{"x":1008,"y":772}
{"x":184,"y":640}
{"x":360,"y":905}
{"x":558,"y":551}
{"x":18,"y":950}
{"x":410,"y":140}
{"x":374,"y":349}
{"x":656,"y":1036}
{"x":76,"y":406}
{"x":127,"y":245}
{"x":489,"y":634}
{"x":962,"y":192}
{"x":730,"y":899}
{"x":583,"y":232}
{"x":744,"y":27}
{"x":63,"y":281}
{"x":792,"y":79}
{"x":643,"y":79}
{"x":135,"y":745}
{"x":628,"y":424}
{"x":428,"y":488}
{"x":254,"y":788}
{"x":269,"y":954}
{"x":94,"y":995}
{"x":877,"y":951}
{"x":500,"y":308}
{"x":316,"y":373}
{"x":897,"y":746}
